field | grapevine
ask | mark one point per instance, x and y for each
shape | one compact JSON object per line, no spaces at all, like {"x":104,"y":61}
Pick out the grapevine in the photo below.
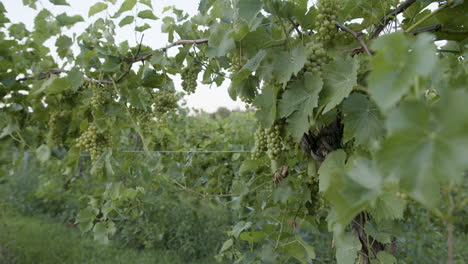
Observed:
{"x":93,"y":142}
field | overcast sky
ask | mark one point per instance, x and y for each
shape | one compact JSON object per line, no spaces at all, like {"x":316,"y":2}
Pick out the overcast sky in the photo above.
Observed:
{"x":206,"y":98}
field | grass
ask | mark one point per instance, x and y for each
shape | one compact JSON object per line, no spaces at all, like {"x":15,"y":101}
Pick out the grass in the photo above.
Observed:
{"x":40,"y":240}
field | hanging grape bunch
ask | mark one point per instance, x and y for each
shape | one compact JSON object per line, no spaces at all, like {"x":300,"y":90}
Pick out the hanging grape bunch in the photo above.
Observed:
{"x":260,"y":143}
{"x":274,"y":142}
{"x":317,"y":57}
{"x":316,"y":200}
{"x":164,"y":103}
{"x":326,"y":19}
{"x":189,"y":77}
{"x":93,"y":142}
{"x":53,"y":133}
{"x":144,"y":119}
{"x":101,"y":94}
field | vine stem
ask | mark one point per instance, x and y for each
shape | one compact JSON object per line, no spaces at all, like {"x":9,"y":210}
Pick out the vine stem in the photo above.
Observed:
{"x":428,"y":16}
{"x":356,"y":35}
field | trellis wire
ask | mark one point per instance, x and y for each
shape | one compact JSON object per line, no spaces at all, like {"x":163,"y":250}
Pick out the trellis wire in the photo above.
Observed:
{"x":153,"y":151}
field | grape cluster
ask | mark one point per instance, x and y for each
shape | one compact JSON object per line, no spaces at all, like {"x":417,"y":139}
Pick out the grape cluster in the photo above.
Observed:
{"x":326,"y":19}
{"x":53,"y":134}
{"x":164,"y":102}
{"x":317,"y":57}
{"x":316,"y":199}
{"x":189,"y":77}
{"x":260,"y":143}
{"x":101,"y":95}
{"x":274,"y":142}
{"x":95,"y":143}
{"x":144,"y":118}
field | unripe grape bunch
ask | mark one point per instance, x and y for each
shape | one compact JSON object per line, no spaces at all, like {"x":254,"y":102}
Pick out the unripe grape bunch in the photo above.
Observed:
{"x":317,"y":57}
{"x":325,"y":20}
{"x":53,"y":133}
{"x":101,"y":95}
{"x":94,"y":142}
{"x":260,"y":143}
{"x":164,"y":102}
{"x":274,"y":142}
{"x":189,"y":77}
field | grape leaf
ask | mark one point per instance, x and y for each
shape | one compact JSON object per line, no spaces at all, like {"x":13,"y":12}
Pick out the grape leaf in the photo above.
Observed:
{"x":383,"y":257}
{"x":220,"y":41}
{"x":340,"y":77}
{"x":63,"y":44}
{"x":59,"y":2}
{"x":398,"y":61}
{"x":346,"y":197}
{"x":126,"y":20}
{"x":251,"y":66}
{"x":96,"y":8}
{"x":298,"y":103}
{"x":362,"y":120}
{"x":388,"y":206}
{"x":248,"y":9}
{"x":126,"y":6}
{"x":426,"y":146}
{"x":266,"y":104}
{"x":147,"y":14}
{"x":347,"y":247}
{"x":142,"y":28}
{"x":67,"y":21}
{"x":288,"y":63}
{"x":146,"y":2}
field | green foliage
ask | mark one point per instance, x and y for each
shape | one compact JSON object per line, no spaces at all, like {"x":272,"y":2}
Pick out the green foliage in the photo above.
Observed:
{"x":378,"y":108}
{"x":44,"y":240}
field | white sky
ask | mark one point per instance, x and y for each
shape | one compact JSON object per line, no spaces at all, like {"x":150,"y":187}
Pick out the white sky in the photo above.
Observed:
{"x":206,"y":98}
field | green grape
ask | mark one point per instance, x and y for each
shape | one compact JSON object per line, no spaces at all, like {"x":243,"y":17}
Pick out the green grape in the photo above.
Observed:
{"x":189,"y":77}
{"x":260,"y":143}
{"x":164,"y":102}
{"x":316,"y":200}
{"x":274,"y":142}
{"x":317,"y":57}
{"x":101,"y":94}
{"x":53,"y":133}
{"x":93,"y":142}
{"x":326,"y":20}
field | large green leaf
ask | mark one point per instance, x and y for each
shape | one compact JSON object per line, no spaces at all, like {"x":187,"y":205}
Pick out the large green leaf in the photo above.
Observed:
{"x":220,"y":41}
{"x":266,"y":104}
{"x":347,"y":247}
{"x":298,"y":103}
{"x":248,"y":9}
{"x":288,"y":63}
{"x":362,"y":120}
{"x":398,"y":62}
{"x":427,"y":145}
{"x":340,"y":77}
